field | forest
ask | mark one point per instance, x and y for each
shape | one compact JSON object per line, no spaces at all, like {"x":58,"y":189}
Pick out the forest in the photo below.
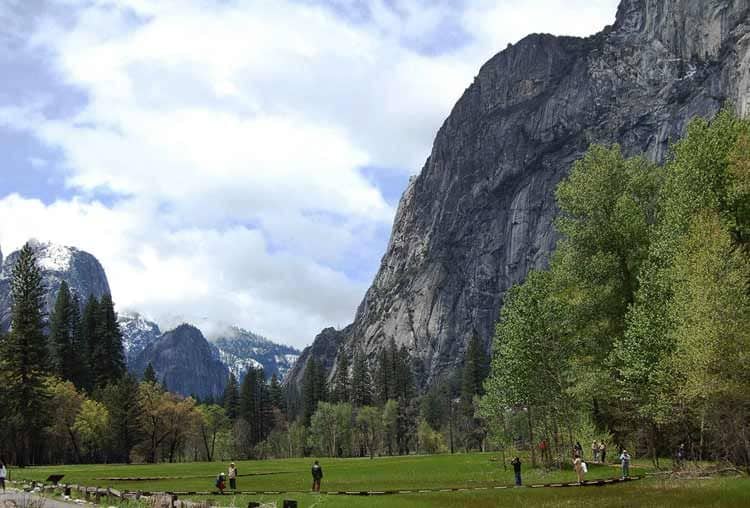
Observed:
{"x":636,"y":335}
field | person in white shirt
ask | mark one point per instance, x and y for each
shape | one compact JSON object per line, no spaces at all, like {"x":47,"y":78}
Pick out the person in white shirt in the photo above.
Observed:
{"x":3,"y":475}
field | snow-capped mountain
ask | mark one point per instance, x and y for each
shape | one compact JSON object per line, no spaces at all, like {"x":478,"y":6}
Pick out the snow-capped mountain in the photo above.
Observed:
{"x":82,"y":271}
{"x":137,"y":333}
{"x":236,"y":348}
{"x":240,"y":349}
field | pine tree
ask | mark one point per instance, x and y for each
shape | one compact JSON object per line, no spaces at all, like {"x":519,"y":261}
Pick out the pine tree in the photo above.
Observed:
{"x":276,"y":393}
{"x":231,"y":398}
{"x":62,"y":330}
{"x":361,"y":382}
{"x":25,"y":355}
{"x":87,"y":340}
{"x":341,"y":384}
{"x":79,"y":368}
{"x":310,"y":390}
{"x":149,"y":374}
{"x":475,"y":370}
{"x":108,"y":355}
{"x":403,"y":374}
{"x":121,"y":400}
{"x":384,"y":382}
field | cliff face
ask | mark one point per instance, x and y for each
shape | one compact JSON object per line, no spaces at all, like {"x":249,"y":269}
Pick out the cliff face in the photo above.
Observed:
{"x":479,"y":215}
{"x":82,"y":271}
{"x":185,"y":360}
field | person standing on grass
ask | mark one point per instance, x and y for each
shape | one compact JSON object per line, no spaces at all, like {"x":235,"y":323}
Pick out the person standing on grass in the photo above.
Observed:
{"x":603,"y":453}
{"x":3,"y":474}
{"x":625,"y":462}
{"x":232,"y":475}
{"x":317,"y":475}
{"x":578,"y":466}
{"x":517,"y":470}
{"x":595,"y":451}
{"x":578,"y":448}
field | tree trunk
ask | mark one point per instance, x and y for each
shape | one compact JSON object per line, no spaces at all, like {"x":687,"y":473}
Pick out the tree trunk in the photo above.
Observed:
{"x":531,"y":436}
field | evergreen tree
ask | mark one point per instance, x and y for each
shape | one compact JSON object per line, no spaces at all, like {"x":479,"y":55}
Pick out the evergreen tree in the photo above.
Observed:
{"x":79,"y":367}
{"x":276,"y":393}
{"x":255,"y":405}
{"x":404,"y":388}
{"x":121,"y":400}
{"x":149,"y":374}
{"x":385,"y":379}
{"x":476,"y":368}
{"x":25,"y":359}
{"x":313,"y":388}
{"x":62,"y":330}
{"x":108,"y":355}
{"x":231,"y":398}
{"x":341,"y":384}
{"x":87,"y":340}
{"x":361,"y":382}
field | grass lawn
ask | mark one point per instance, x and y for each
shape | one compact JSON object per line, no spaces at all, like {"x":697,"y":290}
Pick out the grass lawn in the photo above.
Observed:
{"x":413,"y":472}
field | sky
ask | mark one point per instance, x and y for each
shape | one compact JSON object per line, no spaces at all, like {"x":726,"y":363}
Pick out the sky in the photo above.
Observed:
{"x":237,"y":162}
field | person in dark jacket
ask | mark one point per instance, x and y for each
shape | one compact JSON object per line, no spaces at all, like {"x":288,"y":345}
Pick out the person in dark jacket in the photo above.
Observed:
{"x":517,"y":470}
{"x":317,"y":474}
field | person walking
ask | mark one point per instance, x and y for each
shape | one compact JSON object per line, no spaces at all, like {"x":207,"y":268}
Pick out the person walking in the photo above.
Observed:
{"x":680,"y":456}
{"x":232,"y":475}
{"x":595,"y":451}
{"x":603,"y":453}
{"x":220,"y":483}
{"x":3,"y":475}
{"x":579,"y":468}
{"x":517,"y":470}
{"x":625,"y":462}
{"x":317,"y":475}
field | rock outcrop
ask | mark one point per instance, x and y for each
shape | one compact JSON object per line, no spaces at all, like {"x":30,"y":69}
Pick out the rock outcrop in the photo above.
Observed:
{"x":137,"y":333}
{"x":82,"y":271}
{"x":185,"y":361}
{"x":479,"y":215}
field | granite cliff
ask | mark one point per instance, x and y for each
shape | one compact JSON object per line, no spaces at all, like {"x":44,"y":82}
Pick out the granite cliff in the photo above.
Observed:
{"x":185,"y":360}
{"x":479,"y":215}
{"x":82,"y":271}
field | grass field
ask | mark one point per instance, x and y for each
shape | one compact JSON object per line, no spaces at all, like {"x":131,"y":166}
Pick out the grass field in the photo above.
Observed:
{"x":413,"y":472}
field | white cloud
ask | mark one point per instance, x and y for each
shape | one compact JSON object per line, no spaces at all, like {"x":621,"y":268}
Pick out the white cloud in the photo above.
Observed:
{"x":235,"y":132}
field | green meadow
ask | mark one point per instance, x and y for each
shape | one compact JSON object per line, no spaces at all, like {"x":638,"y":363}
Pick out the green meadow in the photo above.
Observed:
{"x":405,"y":473}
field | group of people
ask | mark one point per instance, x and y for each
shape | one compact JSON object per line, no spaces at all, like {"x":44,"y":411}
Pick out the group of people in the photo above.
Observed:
{"x":599,"y":452}
{"x":221,"y":479}
{"x":317,"y":475}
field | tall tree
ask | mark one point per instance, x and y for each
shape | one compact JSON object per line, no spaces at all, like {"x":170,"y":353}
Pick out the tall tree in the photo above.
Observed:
{"x":123,"y":404}
{"x":149,"y":374}
{"x":476,"y":368}
{"x":108,"y":356}
{"x":231,"y":398}
{"x":341,"y":383}
{"x":87,"y":340}
{"x":62,"y":332}
{"x":361,"y":383}
{"x":25,"y":358}
{"x":313,"y":388}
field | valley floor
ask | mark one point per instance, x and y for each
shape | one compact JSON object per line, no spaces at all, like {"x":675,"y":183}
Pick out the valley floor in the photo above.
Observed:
{"x":406,"y":473}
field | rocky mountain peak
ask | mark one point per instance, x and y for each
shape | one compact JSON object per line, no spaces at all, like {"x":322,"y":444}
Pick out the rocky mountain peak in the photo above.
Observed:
{"x":81,"y":270}
{"x":480,"y":214}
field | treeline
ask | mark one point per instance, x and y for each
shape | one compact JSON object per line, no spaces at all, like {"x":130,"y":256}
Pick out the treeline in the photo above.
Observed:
{"x":639,"y":331}
{"x":80,"y":345}
{"x":69,"y":399}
